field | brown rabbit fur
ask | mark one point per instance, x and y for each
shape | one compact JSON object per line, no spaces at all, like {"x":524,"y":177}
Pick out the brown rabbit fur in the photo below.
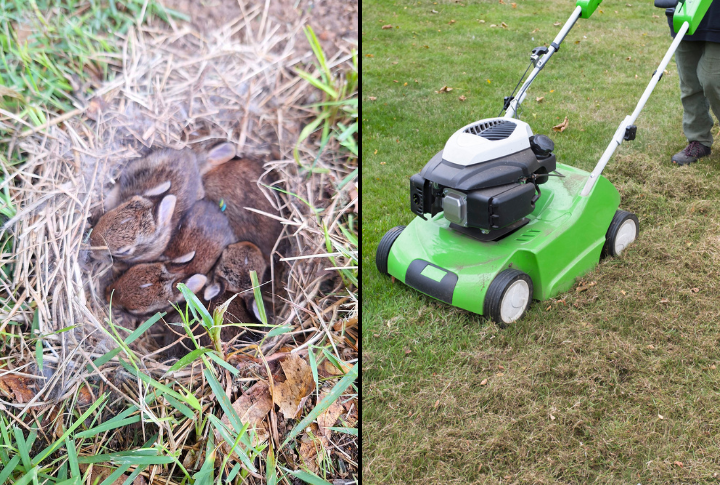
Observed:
{"x":235,"y":183}
{"x":138,"y":230}
{"x":162,"y":173}
{"x":151,"y":287}
{"x":202,"y":235}
{"x":232,"y":272}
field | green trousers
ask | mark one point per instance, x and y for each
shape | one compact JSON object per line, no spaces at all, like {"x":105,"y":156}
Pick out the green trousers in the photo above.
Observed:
{"x":698,"y":66}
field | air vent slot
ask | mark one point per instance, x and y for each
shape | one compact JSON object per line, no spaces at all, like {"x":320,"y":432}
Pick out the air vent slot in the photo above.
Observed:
{"x":492,"y":130}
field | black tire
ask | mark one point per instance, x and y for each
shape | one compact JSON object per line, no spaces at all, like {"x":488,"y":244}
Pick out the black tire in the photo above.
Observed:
{"x":611,"y":238}
{"x":383,"y":250}
{"x":496,"y":293}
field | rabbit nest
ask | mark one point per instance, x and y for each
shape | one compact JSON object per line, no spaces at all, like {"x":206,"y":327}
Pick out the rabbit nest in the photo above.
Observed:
{"x":175,"y":89}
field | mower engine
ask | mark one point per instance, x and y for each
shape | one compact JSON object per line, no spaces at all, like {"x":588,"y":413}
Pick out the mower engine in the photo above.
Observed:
{"x":486,"y":178}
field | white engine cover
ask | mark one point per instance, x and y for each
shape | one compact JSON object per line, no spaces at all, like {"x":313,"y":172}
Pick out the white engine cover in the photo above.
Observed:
{"x":466,"y":148}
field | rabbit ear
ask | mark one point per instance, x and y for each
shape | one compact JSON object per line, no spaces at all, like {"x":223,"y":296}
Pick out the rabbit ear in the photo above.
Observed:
{"x":165,"y":210}
{"x":221,"y":154}
{"x":185,"y":258}
{"x":212,"y":291}
{"x":158,"y":190}
{"x":196,"y":282}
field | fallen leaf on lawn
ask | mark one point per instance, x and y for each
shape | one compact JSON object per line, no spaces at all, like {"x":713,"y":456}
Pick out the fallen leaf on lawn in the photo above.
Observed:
{"x":355,"y":196}
{"x":395,"y":81}
{"x":552,"y":90}
{"x":656,"y":16}
{"x":651,"y":347}
{"x":504,"y":25}
{"x":85,"y":397}
{"x":437,"y":403}
{"x":500,"y":374}
{"x":426,"y":46}
{"x":548,"y":308}
{"x":329,"y":417}
{"x":540,"y":99}
{"x":628,"y":58}
{"x":661,"y":416}
{"x":385,"y":27}
{"x":557,"y":24}
{"x":536,"y":30}
{"x":444,"y":89}
{"x":713,"y":367}
{"x":488,"y":81}
{"x":375,"y":152}
{"x":500,"y":367}
{"x":405,"y":84}
{"x":501,"y":1}
{"x":20,"y":388}
{"x":552,"y":418}
{"x":589,"y":285}
{"x":678,"y":463}
{"x":664,"y":300}
{"x":695,"y":290}
{"x":309,"y":450}
{"x":434,"y":11}
{"x":408,"y":351}
{"x":451,"y":22}
{"x":623,"y":292}
{"x":383,"y":163}
{"x":96,"y":105}
{"x":562,"y":126}
{"x":514,"y":5}
{"x":462,"y":98}
{"x":493,"y":25}
{"x":481,"y":21}
{"x":369,"y":55}
{"x":628,"y":5}
{"x":289,"y":395}
{"x":484,"y":382}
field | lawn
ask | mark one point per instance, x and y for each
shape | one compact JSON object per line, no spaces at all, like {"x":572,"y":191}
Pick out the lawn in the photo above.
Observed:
{"x":615,"y":381}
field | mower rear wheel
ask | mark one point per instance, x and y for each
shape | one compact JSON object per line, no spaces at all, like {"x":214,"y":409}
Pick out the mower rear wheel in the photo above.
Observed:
{"x":623,"y":231}
{"x":508,"y":297}
{"x":383,"y":250}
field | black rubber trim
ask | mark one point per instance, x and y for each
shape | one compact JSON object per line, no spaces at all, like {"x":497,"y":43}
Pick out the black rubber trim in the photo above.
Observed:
{"x":496,"y":292}
{"x":442,"y":290}
{"x":383,"y":250}
{"x":556,"y":46}
{"x":618,"y":219}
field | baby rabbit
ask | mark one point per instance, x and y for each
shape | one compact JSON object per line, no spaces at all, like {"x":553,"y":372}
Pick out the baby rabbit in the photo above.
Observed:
{"x":168,"y":173}
{"x":201,"y":236}
{"x":137,"y":230}
{"x":232,"y":273}
{"x":150,"y":287}
{"x":233,"y":186}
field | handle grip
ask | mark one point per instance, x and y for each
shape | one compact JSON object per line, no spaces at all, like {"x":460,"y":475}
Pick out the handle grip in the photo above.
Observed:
{"x":666,"y":3}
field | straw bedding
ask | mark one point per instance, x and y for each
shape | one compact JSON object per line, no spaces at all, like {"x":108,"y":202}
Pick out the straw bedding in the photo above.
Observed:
{"x":174,"y":89}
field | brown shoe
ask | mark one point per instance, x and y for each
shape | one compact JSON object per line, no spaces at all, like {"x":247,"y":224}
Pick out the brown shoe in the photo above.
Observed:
{"x":691,"y":153}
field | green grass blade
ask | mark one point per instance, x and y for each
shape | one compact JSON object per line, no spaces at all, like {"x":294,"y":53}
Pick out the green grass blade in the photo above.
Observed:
{"x":9,"y":468}
{"x":188,"y":359}
{"x":352,"y":431}
{"x":130,"y":339}
{"x":258,"y":297}
{"x":308,"y":477}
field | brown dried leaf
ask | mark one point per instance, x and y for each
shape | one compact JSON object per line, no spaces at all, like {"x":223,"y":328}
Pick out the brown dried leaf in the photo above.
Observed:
{"x":678,"y":463}
{"x":21,"y":388}
{"x":85,"y":397}
{"x":372,"y":98}
{"x":562,"y":126}
{"x":251,"y":407}
{"x":96,"y":105}
{"x":385,"y":27}
{"x":664,"y":301}
{"x":540,"y":99}
{"x":299,"y":383}
{"x":444,"y":89}
{"x":557,"y":24}
{"x":514,"y":5}
{"x":451,"y":22}
{"x":462,"y":98}
{"x":504,"y":25}
{"x":587,"y":286}
{"x":484,"y":382}
{"x":328,"y":418}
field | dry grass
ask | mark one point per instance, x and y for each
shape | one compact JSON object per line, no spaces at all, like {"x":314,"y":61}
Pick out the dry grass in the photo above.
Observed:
{"x":176,"y":89}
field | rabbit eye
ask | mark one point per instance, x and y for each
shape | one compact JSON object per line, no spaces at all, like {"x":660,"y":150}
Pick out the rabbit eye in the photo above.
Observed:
{"x":146,"y":285}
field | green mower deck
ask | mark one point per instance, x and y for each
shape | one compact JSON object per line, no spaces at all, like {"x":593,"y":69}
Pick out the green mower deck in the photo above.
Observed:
{"x":563,"y":240}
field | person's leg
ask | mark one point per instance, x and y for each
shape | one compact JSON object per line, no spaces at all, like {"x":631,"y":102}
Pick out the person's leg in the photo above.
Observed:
{"x":697,"y":122}
{"x":709,"y":75}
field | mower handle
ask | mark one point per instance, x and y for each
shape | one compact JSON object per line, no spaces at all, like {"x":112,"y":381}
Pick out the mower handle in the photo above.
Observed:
{"x":666,"y":3}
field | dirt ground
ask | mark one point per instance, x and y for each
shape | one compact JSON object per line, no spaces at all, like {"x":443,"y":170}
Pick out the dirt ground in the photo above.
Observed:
{"x":332,"y":20}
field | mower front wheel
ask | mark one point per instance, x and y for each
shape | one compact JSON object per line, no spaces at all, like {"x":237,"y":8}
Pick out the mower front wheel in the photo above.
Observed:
{"x":383,"y":250}
{"x":508,"y":297}
{"x":623,"y":231}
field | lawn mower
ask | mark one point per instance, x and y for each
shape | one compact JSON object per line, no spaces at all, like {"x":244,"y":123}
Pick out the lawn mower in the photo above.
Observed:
{"x":499,"y":221}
